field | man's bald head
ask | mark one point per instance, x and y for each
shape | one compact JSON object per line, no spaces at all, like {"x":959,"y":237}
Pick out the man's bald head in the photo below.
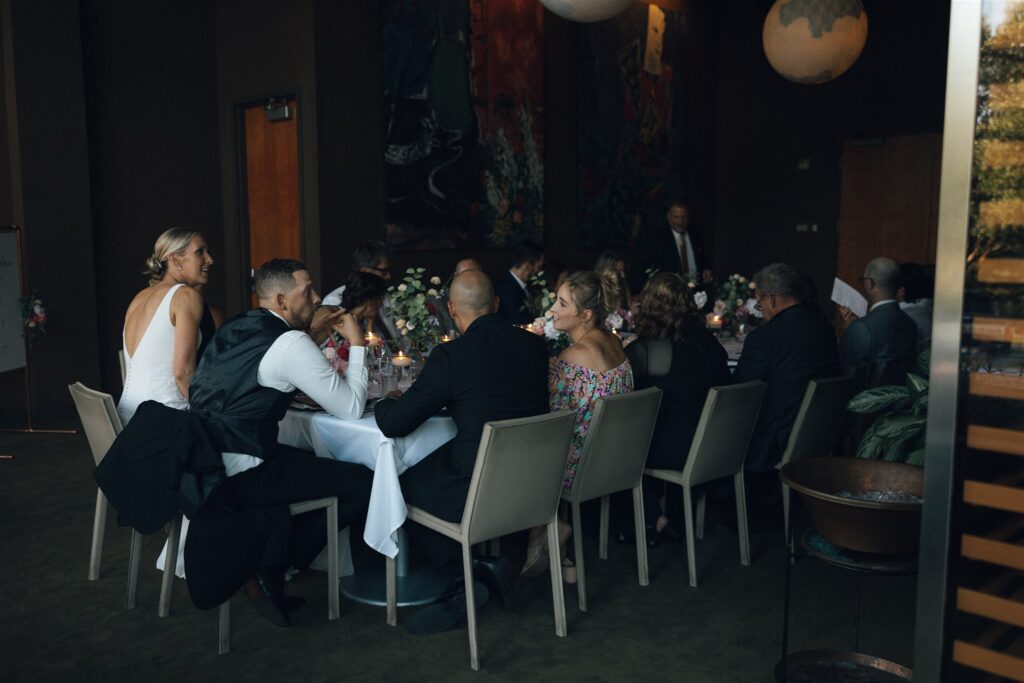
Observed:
{"x":886,"y":274}
{"x":471,"y":297}
{"x":467,"y":264}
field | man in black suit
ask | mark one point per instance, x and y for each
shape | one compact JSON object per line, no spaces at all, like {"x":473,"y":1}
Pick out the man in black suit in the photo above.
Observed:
{"x":794,"y":346}
{"x":515,"y":301}
{"x":886,"y":335}
{"x":670,"y":246}
{"x":493,"y":371}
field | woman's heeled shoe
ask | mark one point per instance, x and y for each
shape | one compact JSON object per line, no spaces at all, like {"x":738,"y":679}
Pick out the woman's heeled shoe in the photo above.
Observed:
{"x":568,"y":571}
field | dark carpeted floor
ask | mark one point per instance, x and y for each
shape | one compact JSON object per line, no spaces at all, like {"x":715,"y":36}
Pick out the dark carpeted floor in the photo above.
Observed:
{"x":55,"y":625}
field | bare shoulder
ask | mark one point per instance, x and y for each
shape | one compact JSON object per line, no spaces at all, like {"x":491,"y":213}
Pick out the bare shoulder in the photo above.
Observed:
{"x":580,"y":353}
{"x":187,"y":299}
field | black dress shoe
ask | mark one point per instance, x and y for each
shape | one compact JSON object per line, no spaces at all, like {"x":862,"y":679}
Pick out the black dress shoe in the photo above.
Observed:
{"x":446,"y":614}
{"x":500,"y":578}
{"x":272,"y":605}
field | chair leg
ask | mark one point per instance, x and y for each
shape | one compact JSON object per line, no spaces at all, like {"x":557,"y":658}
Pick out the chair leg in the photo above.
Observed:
{"x":785,"y":513}
{"x":602,"y":543}
{"x":641,"y":539}
{"x":557,"y":590}
{"x":391,"y":590}
{"x":467,"y":569}
{"x":133,"y":568}
{"x":333,"y":601}
{"x":691,"y":551}
{"x":577,"y":544}
{"x":170,"y":563}
{"x":99,"y":526}
{"x":741,"y":519}
{"x":702,"y":505}
{"x":224,"y":628}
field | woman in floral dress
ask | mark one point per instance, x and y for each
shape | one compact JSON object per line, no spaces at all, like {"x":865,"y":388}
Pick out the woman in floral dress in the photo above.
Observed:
{"x":595,"y":365}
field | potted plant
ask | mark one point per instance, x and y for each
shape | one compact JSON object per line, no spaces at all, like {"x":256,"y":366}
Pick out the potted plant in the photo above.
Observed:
{"x":897,"y":434}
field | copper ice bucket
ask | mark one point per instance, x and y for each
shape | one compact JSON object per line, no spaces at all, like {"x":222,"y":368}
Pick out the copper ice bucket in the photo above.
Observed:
{"x":868,"y":526}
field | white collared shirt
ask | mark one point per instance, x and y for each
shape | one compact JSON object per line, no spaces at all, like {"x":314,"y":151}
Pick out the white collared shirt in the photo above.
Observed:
{"x":522,"y":285}
{"x":683,"y":242}
{"x":294,"y":361}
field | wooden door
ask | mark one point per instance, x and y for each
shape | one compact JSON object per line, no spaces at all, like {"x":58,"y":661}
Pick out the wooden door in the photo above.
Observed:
{"x":273,"y":214}
{"x":889,"y":202}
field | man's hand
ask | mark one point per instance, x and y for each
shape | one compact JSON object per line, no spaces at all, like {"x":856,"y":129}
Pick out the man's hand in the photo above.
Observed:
{"x":348,"y":327}
{"x":394,"y":393}
{"x":324,"y":320}
{"x":846,"y":316}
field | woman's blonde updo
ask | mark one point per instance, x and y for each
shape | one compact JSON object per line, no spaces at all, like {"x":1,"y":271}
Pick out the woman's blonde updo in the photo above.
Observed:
{"x":172,"y":241}
{"x":594,"y":292}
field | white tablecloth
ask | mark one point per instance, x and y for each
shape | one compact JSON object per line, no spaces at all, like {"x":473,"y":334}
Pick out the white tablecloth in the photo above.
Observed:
{"x":362,"y":443}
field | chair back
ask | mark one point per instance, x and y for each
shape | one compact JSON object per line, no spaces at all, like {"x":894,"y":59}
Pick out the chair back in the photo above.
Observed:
{"x":517,"y":479}
{"x":122,"y":362}
{"x":817,"y":424}
{"x":99,"y":418}
{"x":615,"y":451}
{"x":723,"y":433}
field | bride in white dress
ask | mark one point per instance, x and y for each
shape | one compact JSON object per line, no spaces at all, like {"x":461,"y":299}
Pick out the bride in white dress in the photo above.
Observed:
{"x":162,"y":326}
{"x":163,"y":330}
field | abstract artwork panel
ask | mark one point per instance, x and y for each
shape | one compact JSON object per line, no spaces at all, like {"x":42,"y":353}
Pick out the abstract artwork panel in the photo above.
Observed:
{"x":463,"y":84}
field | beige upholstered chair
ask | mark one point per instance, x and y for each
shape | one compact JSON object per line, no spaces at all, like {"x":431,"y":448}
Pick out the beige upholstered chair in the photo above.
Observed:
{"x":718,"y":450}
{"x":515,"y":486}
{"x":817,"y":425}
{"x":330,"y":507}
{"x":102,"y":425}
{"x":613,"y":460}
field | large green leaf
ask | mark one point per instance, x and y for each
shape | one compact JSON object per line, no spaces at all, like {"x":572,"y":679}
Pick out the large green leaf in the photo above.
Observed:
{"x":915,"y":458}
{"x":920,"y":406}
{"x":879,"y":398}
{"x":916,"y":385}
{"x":897,"y":427}
{"x":871,"y":446}
{"x":924,"y":360}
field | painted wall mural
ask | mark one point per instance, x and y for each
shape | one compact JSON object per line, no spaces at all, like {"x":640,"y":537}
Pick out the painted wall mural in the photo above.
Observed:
{"x":630,"y":131}
{"x":463,"y":86}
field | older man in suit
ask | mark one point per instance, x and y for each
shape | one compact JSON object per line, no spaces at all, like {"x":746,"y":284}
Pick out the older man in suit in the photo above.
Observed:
{"x":795,"y":346}
{"x":493,"y":371}
{"x":886,"y":338}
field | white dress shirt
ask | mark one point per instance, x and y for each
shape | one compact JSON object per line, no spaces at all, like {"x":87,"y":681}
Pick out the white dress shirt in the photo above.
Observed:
{"x":294,"y":361}
{"x":522,"y":285}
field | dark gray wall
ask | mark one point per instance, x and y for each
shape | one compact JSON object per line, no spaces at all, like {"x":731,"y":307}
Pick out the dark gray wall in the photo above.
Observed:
{"x":151,"y":99}
{"x":52,"y":190}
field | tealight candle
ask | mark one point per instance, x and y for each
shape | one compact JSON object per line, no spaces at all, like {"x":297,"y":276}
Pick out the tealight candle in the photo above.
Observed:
{"x":446,"y":338}
{"x":715,"y":322}
{"x":372,"y":339}
{"x":400,"y":360}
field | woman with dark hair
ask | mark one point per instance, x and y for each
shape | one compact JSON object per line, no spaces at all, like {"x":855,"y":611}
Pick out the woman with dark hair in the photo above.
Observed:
{"x":677,"y":354}
{"x":362,"y":296}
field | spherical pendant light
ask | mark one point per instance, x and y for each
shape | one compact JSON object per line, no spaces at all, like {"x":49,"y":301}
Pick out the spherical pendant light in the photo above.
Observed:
{"x":814,"y":41}
{"x":586,"y":10}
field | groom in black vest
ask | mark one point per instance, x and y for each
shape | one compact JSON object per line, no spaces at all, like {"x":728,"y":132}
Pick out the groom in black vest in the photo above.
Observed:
{"x":242,"y":388}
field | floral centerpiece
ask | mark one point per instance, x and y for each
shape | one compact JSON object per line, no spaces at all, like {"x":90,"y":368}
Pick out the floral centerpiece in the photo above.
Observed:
{"x":414,"y":308}
{"x":33,"y":314}
{"x":734,"y":304}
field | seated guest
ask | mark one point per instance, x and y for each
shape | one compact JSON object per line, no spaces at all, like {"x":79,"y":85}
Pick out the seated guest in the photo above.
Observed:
{"x":593,"y":366}
{"x":676,"y":353}
{"x":244,"y":384}
{"x":886,"y":335}
{"x":555,"y":275}
{"x":515,"y":300}
{"x":371,"y":257}
{"x":916,"y":292}
{"x":793,"y":346}
{"x":493,"y":371}
{"x":362,"y":296}
{"x":443,"y":317}
{"x":167,"y":324}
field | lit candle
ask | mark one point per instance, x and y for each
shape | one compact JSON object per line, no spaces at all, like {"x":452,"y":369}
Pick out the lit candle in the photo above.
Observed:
{"x":372,"y":339}
{"x":446,"y":338}
{"x":714,"y":322}
{"x":400,"y":360}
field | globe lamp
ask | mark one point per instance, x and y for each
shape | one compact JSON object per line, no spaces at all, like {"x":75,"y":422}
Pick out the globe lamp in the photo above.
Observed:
{"x":814,"y":41}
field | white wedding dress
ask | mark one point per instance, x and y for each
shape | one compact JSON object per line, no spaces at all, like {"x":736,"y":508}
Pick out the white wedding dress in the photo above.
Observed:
{"x":149,"y":376}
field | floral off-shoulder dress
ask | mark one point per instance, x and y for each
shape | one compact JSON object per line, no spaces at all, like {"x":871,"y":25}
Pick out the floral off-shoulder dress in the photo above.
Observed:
{"x":575,"y":387}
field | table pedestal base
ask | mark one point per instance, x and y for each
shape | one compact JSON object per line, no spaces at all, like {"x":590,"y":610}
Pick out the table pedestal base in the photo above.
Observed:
{"x":421,"y":587}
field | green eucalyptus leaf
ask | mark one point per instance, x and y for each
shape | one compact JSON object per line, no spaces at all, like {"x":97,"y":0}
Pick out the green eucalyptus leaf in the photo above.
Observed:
{"x":878,"y":398}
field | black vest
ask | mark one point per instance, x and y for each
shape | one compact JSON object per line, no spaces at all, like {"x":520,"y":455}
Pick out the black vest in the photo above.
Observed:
{"x":242,"y":415}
